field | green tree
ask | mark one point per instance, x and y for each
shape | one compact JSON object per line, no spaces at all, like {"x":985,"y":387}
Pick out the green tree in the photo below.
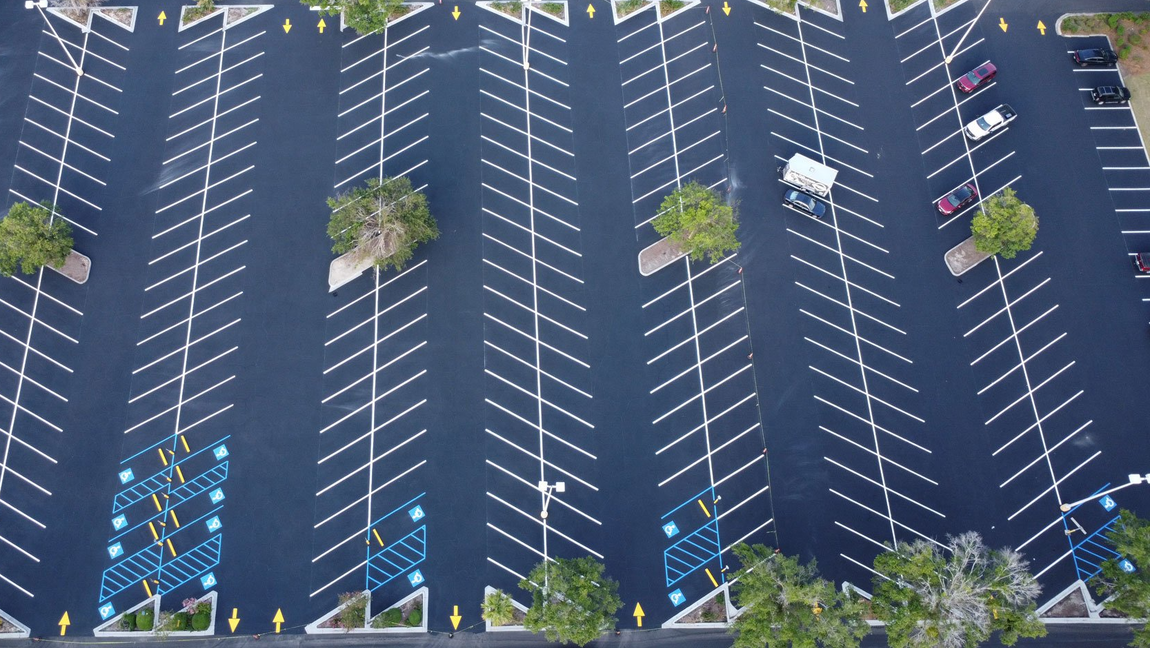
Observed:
{"x":697,"y":220}
{"x":497,"y":608}
{"x":1129,"y":593}
{"x":384,"y":221}
{"x":955,"y":597}
{"x":786,"y":604}
{"x":572,"y":600}
{"x":31,"y":238}
{"x":364,"y":16}
{"x":1004,"y":225}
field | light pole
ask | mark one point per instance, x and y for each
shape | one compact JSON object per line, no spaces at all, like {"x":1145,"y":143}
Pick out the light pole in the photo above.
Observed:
{"x":41,"y":5}
{"x":1134,"y":480}
{"x":549,"y":491}
{"x":972,"y":23}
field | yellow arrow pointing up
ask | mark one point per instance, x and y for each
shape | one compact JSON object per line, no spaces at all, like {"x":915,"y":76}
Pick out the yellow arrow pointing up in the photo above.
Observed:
{"x":235,"y":620}
{"x":287,"y":25}
{"x":1042,"y":27}
{"x":863,"y":5}
{"x":590,"y":10}
{"x":1002,"y":23}
{"x":726,"y":8}
{"x":64,"y":623}
{"x":163,"y":17}
{"x":455,"y":12}
{"x":455,"y":618}
{"x":639,"y":614}
{"x":321,"y":25}
{"x":278,"y":619}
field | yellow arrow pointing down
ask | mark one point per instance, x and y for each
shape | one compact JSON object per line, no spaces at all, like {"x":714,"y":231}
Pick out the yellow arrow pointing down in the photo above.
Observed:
{"x":455,"y":618}
{"x":235,"y":620}
{"x":287,"y":25}
{"x":727,"y":8}
{"x":1002,"y":24}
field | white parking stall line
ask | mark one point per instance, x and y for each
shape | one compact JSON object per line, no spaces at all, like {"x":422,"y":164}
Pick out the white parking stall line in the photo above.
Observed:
{"x":803,"y":61}
{"x":549,"y":526}
{"x":864,"y":367}
{"x":863,"y":536}
{"x":889,"y":518}
{"x":861,"y":338}
{"x":692,"y":306}
{"x":1000,"y":279}
{"x":851,"y":308}
{"x":550,"y":293}
{"x":1040,"y":457}
{"x":808,"y":85}
{"x":1019,"y":365}
{"x":1041,"y":420}
{"x":878,"y":456}
{"x":1012,"y":335}
{"x":691,"y":338}
{"x":1029,"y":394}
{"x":703,"y":393}
{"x":845,"y":282}
{"x":1006,"y":308}
{"x":845,"y":257}
{"x":1053,"y":486}
{"x":867,"y":395}
{"x":808,"y":45}
{"x":890,"y":490}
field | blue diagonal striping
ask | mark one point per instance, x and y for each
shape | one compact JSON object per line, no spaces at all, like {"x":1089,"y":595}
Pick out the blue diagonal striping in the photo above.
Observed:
{"x":158,"y":482}
{"x":691,"y":552}
{"x":190,"y":564}
{"x":129,"y":571}
{"x":200,"y":484}
{"x":396,"y":558}
{"x":1092,"y":551}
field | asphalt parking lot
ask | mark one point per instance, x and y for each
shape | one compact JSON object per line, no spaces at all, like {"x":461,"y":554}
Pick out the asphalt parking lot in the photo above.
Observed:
{"x":207,"y":414}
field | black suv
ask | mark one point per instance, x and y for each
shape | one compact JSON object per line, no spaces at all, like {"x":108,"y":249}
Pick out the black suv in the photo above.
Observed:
{"x":1098,"y":56}
{"x":804,"y":204}
{"x":1110,"y":95}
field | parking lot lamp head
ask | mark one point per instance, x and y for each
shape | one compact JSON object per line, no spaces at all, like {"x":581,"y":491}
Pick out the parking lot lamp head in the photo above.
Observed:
{"x":42,"y":4}
{"x":1131,"y":480}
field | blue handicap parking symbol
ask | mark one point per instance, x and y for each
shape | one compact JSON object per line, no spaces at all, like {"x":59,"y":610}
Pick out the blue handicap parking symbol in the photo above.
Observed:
{"x":126,"y":475}
{"x":107,"y":610}
{"x":217,"y":496}
{"x":416,"y":514}
{"x":677,"y":597}
{"x":214,"y":524}
{"x":416,"y":577}
{"x":671,"y":529}
{"x":119,"y":522}
{"x":208,"y":580}
{"x":1107,"y":503}
{"x":115,"y":551}
{"x":221,"y":451}
{"x":1126,"y":566}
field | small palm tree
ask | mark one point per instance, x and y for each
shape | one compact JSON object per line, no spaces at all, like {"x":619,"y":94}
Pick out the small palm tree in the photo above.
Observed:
{"x":497,"y":608}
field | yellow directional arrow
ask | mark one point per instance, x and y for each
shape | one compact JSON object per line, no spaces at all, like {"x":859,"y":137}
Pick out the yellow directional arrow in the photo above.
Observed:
{"x":590,"y":11}
{"x":1042,"y":27}
{"x":235,"y":620}
{"x":64,"y":623}
{"x":278,"y":619}
{"x":726,"y":8}
{"x":862,"y":4}
{"x":163,"y":17}
{"x":455,"y":618}
{"x":455,"y":12}
{"x":287,"y":25}
{"x":1002,"y":23}
{"x":321,"y":25}
{"x":639,"y":614}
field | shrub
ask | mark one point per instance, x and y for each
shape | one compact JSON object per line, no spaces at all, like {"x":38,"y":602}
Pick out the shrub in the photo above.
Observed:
{"x":128,"y":621}
{"x":1124,"y":53}
{"x":201,"y":621}
{"x":628,"y":6}
{"x":145,"y":620}
{"x":204,"y":607}
{"x":669,"y":6}
{"x":497,"y":608}
{"x":553,"y":8}
{"x":392,"y":617}
{"x":415,"y":617}
{"x":353,"y":610}
{"x":1133,"y":38}
{"x":178,"y":622}
{"x":1112,"y":20}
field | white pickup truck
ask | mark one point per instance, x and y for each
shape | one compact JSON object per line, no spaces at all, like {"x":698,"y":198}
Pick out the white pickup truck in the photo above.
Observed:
{"x":990,"y":122}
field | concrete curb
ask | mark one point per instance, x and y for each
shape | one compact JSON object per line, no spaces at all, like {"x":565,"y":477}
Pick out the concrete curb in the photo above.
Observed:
{"x":503,"y":628}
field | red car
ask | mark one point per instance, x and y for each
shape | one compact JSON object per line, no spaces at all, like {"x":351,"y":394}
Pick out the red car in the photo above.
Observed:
{"x":957,"y":199}
{"x":1142,"y":262}
{"x":976,"y":78}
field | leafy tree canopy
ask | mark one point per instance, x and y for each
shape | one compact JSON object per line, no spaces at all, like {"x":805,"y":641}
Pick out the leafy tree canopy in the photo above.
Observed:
{"x":788,"y":605}
{"x":698,"y":221}
{"x":1129,"y":592}
{"x":31,"y":238}
{"x":384,"y":221}
{"x":573,"y":601}
{"x":1004,"y":225}
{"x":955,"y":597}
{"x":364,"y":16}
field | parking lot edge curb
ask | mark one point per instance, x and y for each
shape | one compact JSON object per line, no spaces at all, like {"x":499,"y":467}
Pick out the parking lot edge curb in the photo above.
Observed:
{"x":85,"y":264}
{"x":103,"y":13}
{"x":660,"y":263}
{"x":314,"y":626}
{"x":953,"y":253}
{"x":487,"y":589}
{"x":22,"y":631}
{"x":184,"y":10}
{"x":724,"y":589}
{"x":103,"y":631}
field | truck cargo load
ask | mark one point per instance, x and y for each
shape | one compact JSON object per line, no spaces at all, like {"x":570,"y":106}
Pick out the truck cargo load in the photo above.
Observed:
{"x":810,"y":176}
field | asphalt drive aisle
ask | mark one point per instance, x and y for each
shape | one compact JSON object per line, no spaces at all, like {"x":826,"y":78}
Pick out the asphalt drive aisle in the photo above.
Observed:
{"x":712,"y":487}
{"x":69,"y":127}
{"x":537,"y":385}
{"x":166,"y":522}
{"x":864,"y":379}
{"x":1023,"y":363}
{"x":370,"y":528}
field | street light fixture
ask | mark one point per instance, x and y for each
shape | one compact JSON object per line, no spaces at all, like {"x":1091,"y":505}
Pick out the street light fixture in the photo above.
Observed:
{"x":549,"y":491}
{"x":1134,"y":480}
{"x":41,"y":5}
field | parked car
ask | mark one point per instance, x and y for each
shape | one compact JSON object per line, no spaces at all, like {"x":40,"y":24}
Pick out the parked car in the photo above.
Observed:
{"x":990,"y":122}
{"x":805,"y":204}
{"x":976,"y":78}
{"x":1095,"y":56}
{"x":953,"y":202}
{"x":1110,"y":95}
{"x":1142,"y":262}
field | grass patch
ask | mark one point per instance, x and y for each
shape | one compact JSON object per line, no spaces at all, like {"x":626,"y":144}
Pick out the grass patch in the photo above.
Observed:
{"x":785,"y":6}
{"x":898,"y":5}
{"x":667,"y":7}
{"x":1139,"y":85}
{"x":513,"y":8}
{"x":628,"y":7}
{"x":939,"y":5}
{"x":201,"y":9}
{"x":122,"y":16}
{"x":553,"y":8}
